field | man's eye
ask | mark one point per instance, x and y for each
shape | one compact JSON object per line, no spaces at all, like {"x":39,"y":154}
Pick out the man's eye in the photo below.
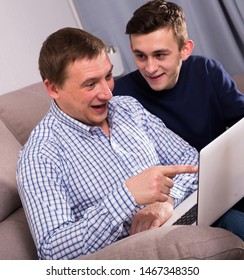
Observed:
{"x":160,"y":55}
{"x":109,"y":76}
{"x":140,"y":56}
{"x":90,"y":85}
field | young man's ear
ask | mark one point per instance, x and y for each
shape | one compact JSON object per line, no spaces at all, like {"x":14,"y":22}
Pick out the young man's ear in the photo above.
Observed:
{"x":51,"y":89}
{"x":187,"y":49}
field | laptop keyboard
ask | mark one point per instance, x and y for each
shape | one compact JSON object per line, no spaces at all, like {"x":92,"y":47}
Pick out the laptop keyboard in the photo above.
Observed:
{"x":188,"y":218}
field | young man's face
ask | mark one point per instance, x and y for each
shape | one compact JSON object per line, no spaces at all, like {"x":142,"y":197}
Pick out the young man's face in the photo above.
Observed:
{"x":158,"y":58}
{"x":87,"y":90}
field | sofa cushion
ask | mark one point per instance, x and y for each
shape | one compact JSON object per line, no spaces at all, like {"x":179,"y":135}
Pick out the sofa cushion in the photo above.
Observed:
{"x":16,"y":242}
{"x":9,"y":150}
{"x":22,"y":109}
{"x":239,"y":79}
{"x":175,"y":243}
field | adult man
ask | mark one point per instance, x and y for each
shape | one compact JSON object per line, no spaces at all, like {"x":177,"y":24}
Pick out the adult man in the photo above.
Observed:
{"x":95,"y":161}
{"x":193,"y":95}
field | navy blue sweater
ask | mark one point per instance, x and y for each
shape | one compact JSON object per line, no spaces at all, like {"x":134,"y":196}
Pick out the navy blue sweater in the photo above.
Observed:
{"x":201,"y":105}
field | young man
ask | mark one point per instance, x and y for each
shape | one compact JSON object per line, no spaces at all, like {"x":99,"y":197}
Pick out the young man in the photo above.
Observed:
{"x":95,"y":162}
{"x":193,"y":95}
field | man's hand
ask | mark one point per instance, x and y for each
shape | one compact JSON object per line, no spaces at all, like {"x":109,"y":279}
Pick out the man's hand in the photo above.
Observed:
{"x":154,"y":183}
{"x":152,"y":216}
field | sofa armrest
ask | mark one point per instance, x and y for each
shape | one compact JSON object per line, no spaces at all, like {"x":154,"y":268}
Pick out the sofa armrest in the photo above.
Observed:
{"x":16,"y":242}
{"x":174,"y":243}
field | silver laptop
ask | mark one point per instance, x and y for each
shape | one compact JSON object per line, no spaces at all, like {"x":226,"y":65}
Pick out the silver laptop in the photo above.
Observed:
{"x":221,"y":180}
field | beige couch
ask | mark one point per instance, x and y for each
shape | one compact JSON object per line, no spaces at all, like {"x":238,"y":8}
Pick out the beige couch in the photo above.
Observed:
{"x":20,"y":111}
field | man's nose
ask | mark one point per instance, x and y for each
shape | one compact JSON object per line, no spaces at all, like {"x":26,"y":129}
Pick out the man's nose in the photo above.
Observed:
{"x":151,"y":65}
{"x":105,"y":92}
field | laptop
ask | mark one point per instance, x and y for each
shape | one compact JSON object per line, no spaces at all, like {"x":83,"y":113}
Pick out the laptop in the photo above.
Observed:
{"x":221,"y":180}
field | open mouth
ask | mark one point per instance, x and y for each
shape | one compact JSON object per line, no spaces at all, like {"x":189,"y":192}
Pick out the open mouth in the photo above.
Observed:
{"x":100,"y":107}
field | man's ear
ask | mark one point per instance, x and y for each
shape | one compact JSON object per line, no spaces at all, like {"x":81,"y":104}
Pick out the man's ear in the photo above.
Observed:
{"x":51,"y":89}
{"x":187,"y":49}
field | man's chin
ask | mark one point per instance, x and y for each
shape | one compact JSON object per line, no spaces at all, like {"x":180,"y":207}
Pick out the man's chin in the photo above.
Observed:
{"x":156,"y":87}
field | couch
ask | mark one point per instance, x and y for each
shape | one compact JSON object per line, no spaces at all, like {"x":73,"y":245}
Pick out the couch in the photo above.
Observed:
{"x":20,"y":111}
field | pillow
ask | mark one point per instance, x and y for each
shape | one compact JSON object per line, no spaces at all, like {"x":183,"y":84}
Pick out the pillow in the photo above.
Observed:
{"x":175,"y":243}
{"x":9,"y":151}
{"x":22,"y":109}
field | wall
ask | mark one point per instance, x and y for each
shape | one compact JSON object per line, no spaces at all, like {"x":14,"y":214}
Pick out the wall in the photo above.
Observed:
{"x":208,"y":26}
{"x":24,"y":25}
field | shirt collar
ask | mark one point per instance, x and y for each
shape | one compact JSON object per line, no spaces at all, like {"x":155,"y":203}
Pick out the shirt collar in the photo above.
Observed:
{"x":73,"y":123}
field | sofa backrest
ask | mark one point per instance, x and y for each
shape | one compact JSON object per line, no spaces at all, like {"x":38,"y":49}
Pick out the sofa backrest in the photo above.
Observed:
{"x":9,"y":150}
{"x":239,"y":79}
{"x":22,"y":109}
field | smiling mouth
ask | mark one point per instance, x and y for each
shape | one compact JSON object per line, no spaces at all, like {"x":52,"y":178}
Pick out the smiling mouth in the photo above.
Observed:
{"x":156,"y":77}
{"x":101,"y":106}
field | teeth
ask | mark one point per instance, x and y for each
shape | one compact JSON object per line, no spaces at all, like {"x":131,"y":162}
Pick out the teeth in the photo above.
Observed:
{"x":155,"y":77}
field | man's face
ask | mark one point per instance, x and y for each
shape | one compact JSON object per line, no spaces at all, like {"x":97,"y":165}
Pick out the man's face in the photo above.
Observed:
{"x":157,"y":57}
{"x":87,"y":90}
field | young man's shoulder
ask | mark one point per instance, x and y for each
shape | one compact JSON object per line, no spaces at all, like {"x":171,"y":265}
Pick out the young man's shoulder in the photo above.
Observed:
{"x":129,"y":83}
{"x":129,"y":77}
{"x":201,"y":67}
{"x":198,"y":60}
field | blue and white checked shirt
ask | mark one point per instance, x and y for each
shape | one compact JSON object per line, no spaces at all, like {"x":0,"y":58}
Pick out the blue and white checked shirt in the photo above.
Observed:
{"x":71,"y":177}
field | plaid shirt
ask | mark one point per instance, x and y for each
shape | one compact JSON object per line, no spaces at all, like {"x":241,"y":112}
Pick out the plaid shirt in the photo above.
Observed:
{"x":71,"y":177}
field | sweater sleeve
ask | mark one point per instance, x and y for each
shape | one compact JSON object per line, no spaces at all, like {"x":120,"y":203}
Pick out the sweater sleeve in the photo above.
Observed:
{"x":230,"y":98}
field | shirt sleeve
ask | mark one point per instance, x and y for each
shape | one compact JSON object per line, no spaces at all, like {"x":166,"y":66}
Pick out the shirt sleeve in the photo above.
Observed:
{"x":172,"y":150}
{"x":56,"y":231}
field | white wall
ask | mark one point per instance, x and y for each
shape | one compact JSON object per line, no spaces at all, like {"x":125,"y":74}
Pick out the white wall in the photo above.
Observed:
{"x":24,"y":25}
